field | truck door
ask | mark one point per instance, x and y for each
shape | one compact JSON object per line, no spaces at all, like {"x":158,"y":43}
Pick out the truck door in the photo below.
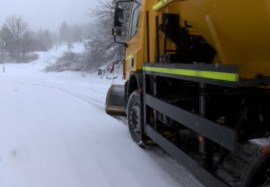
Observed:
{"x":134,"y":56}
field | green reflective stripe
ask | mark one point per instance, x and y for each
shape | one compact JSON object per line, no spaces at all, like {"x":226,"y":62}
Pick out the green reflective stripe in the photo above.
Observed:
{"x":157,"y":6}
{"x":231,"y":77}
{"x":160,"y":4}
{"x":129,"y":57}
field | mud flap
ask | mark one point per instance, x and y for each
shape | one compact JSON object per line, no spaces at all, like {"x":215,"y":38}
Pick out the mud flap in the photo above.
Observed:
{"x":115,"y":100}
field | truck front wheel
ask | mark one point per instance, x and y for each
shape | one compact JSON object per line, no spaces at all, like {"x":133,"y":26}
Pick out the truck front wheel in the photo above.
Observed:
{"x":134,"y":115}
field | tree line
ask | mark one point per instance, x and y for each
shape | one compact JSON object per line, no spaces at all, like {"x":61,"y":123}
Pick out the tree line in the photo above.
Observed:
{"x":18,"y":42}
{"x":100,"y":48}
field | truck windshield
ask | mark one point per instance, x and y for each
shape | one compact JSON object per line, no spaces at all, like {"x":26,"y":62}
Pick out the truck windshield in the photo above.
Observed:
{"x":134,"y":19}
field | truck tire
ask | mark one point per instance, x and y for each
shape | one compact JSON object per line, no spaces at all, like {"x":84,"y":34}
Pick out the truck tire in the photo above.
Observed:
{"x":134,"y":115}
{"x":258,"y":173}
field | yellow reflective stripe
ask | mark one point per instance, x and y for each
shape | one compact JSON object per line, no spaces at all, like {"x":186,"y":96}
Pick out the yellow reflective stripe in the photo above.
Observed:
{"x":231,"y":77}
{"x":160,"y":4}
{"x":129,"y":57}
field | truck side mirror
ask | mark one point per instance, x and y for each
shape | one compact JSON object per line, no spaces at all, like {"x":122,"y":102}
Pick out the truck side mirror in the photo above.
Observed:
{"x":119,"y":30}
{"x":118,"y":17}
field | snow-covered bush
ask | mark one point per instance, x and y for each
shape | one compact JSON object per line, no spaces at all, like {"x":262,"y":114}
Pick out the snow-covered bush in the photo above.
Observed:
{"x":69,"y":61}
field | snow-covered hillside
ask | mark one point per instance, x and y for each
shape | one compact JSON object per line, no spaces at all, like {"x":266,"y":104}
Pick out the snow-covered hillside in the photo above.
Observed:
{"x":54,"y":132}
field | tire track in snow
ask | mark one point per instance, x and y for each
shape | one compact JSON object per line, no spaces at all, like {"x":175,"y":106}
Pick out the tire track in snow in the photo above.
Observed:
{"x":90,"y":100}
{"x":174,"y":169}
{"x":178,"y":173}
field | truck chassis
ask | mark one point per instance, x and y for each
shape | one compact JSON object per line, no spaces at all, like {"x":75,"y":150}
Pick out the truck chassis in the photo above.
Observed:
{"x":205,"y":123}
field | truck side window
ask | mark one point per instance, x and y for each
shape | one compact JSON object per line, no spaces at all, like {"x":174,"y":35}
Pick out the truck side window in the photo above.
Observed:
{"x":134,"y":19}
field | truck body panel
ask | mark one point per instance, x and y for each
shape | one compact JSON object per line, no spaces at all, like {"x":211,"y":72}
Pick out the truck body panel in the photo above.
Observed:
{"x":238,"y":31}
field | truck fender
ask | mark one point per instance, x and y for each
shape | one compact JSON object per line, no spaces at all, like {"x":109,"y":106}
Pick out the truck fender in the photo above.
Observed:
{"x":135,"y":82}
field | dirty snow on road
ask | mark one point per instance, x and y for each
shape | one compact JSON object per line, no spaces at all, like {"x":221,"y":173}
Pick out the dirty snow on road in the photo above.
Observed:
{"x":54,"y":133}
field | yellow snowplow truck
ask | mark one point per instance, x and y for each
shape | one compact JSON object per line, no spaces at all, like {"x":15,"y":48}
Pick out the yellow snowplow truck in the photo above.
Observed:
{"x":198,"y":84}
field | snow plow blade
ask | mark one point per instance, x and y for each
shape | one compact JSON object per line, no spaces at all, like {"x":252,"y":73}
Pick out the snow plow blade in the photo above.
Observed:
{"x":115,"y":100}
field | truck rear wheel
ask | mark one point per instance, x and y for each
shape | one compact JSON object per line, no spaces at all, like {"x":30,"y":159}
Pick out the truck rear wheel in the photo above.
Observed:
{"x":134,"y":115}
{"x":259,"y":173}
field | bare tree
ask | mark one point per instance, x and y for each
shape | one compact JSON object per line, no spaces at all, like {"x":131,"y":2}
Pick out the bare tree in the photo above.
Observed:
{"x":7,"y":40}
{"x":18,"y":28}
{"x":111,"y":52}
{"x":104,"y":10}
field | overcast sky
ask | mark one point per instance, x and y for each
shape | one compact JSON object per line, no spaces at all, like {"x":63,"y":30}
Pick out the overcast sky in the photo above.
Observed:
{"x":47,"y":14}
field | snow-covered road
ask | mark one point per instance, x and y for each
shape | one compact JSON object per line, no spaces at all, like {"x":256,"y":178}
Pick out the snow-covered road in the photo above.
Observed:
{"x":54,"y":133}
{"x":59,"y":135}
